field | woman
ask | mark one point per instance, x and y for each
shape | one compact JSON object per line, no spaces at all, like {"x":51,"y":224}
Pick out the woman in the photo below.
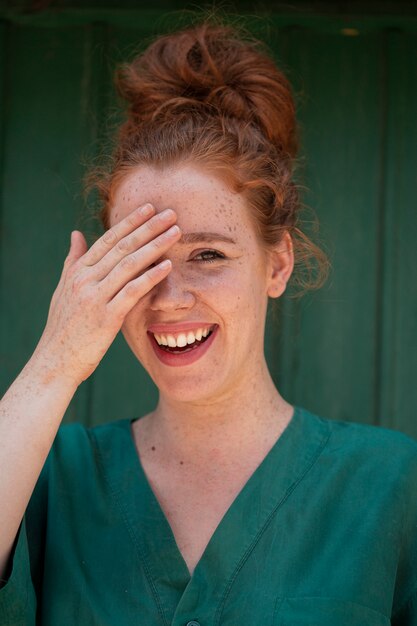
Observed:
{"x":225,"y":505}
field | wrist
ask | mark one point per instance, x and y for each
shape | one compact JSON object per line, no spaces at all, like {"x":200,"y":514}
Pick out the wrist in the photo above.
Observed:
{"x":46,"y":372}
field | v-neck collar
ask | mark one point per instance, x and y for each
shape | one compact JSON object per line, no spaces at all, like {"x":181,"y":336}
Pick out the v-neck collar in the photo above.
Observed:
{"x":272,"y":482}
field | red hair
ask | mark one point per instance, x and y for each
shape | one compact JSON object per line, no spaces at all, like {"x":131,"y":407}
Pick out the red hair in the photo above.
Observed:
{"x":207,"y":95}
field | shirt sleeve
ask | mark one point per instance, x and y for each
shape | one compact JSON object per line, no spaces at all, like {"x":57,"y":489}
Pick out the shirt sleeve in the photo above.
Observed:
{"x":17,"y":596}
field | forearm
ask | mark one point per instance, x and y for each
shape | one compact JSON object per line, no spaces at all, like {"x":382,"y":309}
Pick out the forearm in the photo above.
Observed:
{"x":30,"y":414}
{"x":97,"y":289}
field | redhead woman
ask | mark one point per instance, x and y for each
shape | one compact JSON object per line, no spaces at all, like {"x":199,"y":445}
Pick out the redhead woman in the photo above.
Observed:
{"x":225,"y":505}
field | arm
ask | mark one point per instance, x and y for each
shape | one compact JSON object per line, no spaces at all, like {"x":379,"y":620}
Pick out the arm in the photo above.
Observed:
{"x":30,"y":414}
{"x":97,"y":289}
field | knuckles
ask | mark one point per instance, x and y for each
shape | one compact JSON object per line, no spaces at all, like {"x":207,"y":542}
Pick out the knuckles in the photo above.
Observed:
{"x":159,"y":242}
{"x":150,"y":225}
{"x":127,"y":244}
{"x":128,"y":262}
{"x":134,"y":219}
{"x":79,"y":283}
{"x":110,"y":237}
{"x":131,"y":289}
{"x":123,"y":246}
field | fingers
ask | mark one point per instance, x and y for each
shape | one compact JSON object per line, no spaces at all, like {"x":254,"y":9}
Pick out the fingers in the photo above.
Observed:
{"x":134,"y":290}
{"x":112,"y":236}
{"x":135,"y":263}
{"x":78,"y":247}
{"x":133,"y":242}
{"x":85,"y":313}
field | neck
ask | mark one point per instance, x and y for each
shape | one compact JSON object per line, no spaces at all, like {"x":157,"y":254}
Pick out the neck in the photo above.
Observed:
{"x":252,"y":416}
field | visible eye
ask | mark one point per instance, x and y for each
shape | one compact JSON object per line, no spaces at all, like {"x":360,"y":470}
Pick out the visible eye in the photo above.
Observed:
{"x":208,"y":256}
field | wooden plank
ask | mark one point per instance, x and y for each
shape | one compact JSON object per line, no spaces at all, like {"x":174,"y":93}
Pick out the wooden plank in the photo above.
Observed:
{"x":330,"y":18}
{"x":398,"y":389}
{"x":92,"y":115}
{"x":4,"y":105}
{"x":311,"y":6}
{"x":122,"y":388}
{"x":46,"y":138}
{"x":328,"y":364}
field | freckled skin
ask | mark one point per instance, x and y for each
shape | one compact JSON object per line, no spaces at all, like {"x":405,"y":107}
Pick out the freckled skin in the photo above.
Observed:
{"x":230,"y":292}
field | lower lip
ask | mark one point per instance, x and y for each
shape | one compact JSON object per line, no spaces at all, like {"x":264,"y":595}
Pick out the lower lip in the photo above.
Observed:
{"x":182,"y":358}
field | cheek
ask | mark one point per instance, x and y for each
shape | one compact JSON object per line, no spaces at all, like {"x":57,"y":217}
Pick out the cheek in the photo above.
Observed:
{"x":235,"y":294}
{"x":133,"y":327}
{"x":130,"y":332}
{"x":252,"y":306}
{"x":222,"y":285}
{"x":237,"y":282}
{"x":233,"y":291}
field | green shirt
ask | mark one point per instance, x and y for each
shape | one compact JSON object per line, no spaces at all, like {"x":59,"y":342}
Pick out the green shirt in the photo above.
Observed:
{"x":324,"y":533}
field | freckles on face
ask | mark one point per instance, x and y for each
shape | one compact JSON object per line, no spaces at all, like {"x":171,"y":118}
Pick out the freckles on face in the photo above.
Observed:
{"x":212,"y":280}
{"x":200,"y":199}
{"x":202,"y":203}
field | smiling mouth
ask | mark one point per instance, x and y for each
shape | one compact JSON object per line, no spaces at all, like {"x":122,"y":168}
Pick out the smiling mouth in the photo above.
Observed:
{"x":184,"y":342}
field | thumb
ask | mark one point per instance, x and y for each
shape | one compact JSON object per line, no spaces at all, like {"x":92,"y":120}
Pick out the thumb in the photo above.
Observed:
{"x":78,"y":246}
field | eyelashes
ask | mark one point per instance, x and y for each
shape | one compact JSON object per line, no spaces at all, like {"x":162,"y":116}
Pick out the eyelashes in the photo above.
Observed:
{"x":205,"y":256}
{"x":208,"y":256}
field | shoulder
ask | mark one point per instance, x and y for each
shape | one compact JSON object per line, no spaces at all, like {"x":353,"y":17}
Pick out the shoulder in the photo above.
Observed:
{"x":76,"y":463}
{"x":77,"y":445}
{"x":76,"y":433}
{"x":384,"y":443}
{"x":363,"y":438}
{"x":369,"y":452}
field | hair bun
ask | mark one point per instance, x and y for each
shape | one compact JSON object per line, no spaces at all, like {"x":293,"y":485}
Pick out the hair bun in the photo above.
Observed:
{"x":210,"y":69}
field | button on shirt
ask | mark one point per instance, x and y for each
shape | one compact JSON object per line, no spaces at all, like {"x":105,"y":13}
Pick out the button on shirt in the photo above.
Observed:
{"x":324,"y":532}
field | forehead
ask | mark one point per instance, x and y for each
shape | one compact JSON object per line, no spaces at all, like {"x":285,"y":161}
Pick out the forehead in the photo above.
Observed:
{"x":199,"y":198}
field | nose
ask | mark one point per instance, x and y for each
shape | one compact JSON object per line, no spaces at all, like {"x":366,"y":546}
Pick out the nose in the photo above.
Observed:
{"x":172,"y":294}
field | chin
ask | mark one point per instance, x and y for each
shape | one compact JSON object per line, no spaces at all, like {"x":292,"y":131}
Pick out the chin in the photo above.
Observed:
{"x":187,"y":388}
{"x":190,"y":376}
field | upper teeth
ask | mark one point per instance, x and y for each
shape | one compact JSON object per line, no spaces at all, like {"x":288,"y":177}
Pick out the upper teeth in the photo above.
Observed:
{"x":182,"y":339}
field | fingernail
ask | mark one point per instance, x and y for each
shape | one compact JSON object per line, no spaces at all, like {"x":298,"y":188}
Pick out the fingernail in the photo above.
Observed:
{"x":164,"y":265}
{"x":172,"y":231}
{"x":146,"y":210}
{"x":167,"y":214}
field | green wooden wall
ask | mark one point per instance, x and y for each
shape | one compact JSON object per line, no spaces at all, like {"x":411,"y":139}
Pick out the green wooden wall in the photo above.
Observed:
{"x":347,"y":351}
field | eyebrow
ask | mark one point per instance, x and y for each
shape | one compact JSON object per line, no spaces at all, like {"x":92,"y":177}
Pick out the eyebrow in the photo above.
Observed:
{"x":204,"y":237}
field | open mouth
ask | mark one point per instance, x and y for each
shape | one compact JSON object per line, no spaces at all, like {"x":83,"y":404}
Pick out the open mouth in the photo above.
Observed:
{"x":183,"y":342}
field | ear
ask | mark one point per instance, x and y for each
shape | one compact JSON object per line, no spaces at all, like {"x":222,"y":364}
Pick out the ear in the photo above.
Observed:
{"x":281,"y":265}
